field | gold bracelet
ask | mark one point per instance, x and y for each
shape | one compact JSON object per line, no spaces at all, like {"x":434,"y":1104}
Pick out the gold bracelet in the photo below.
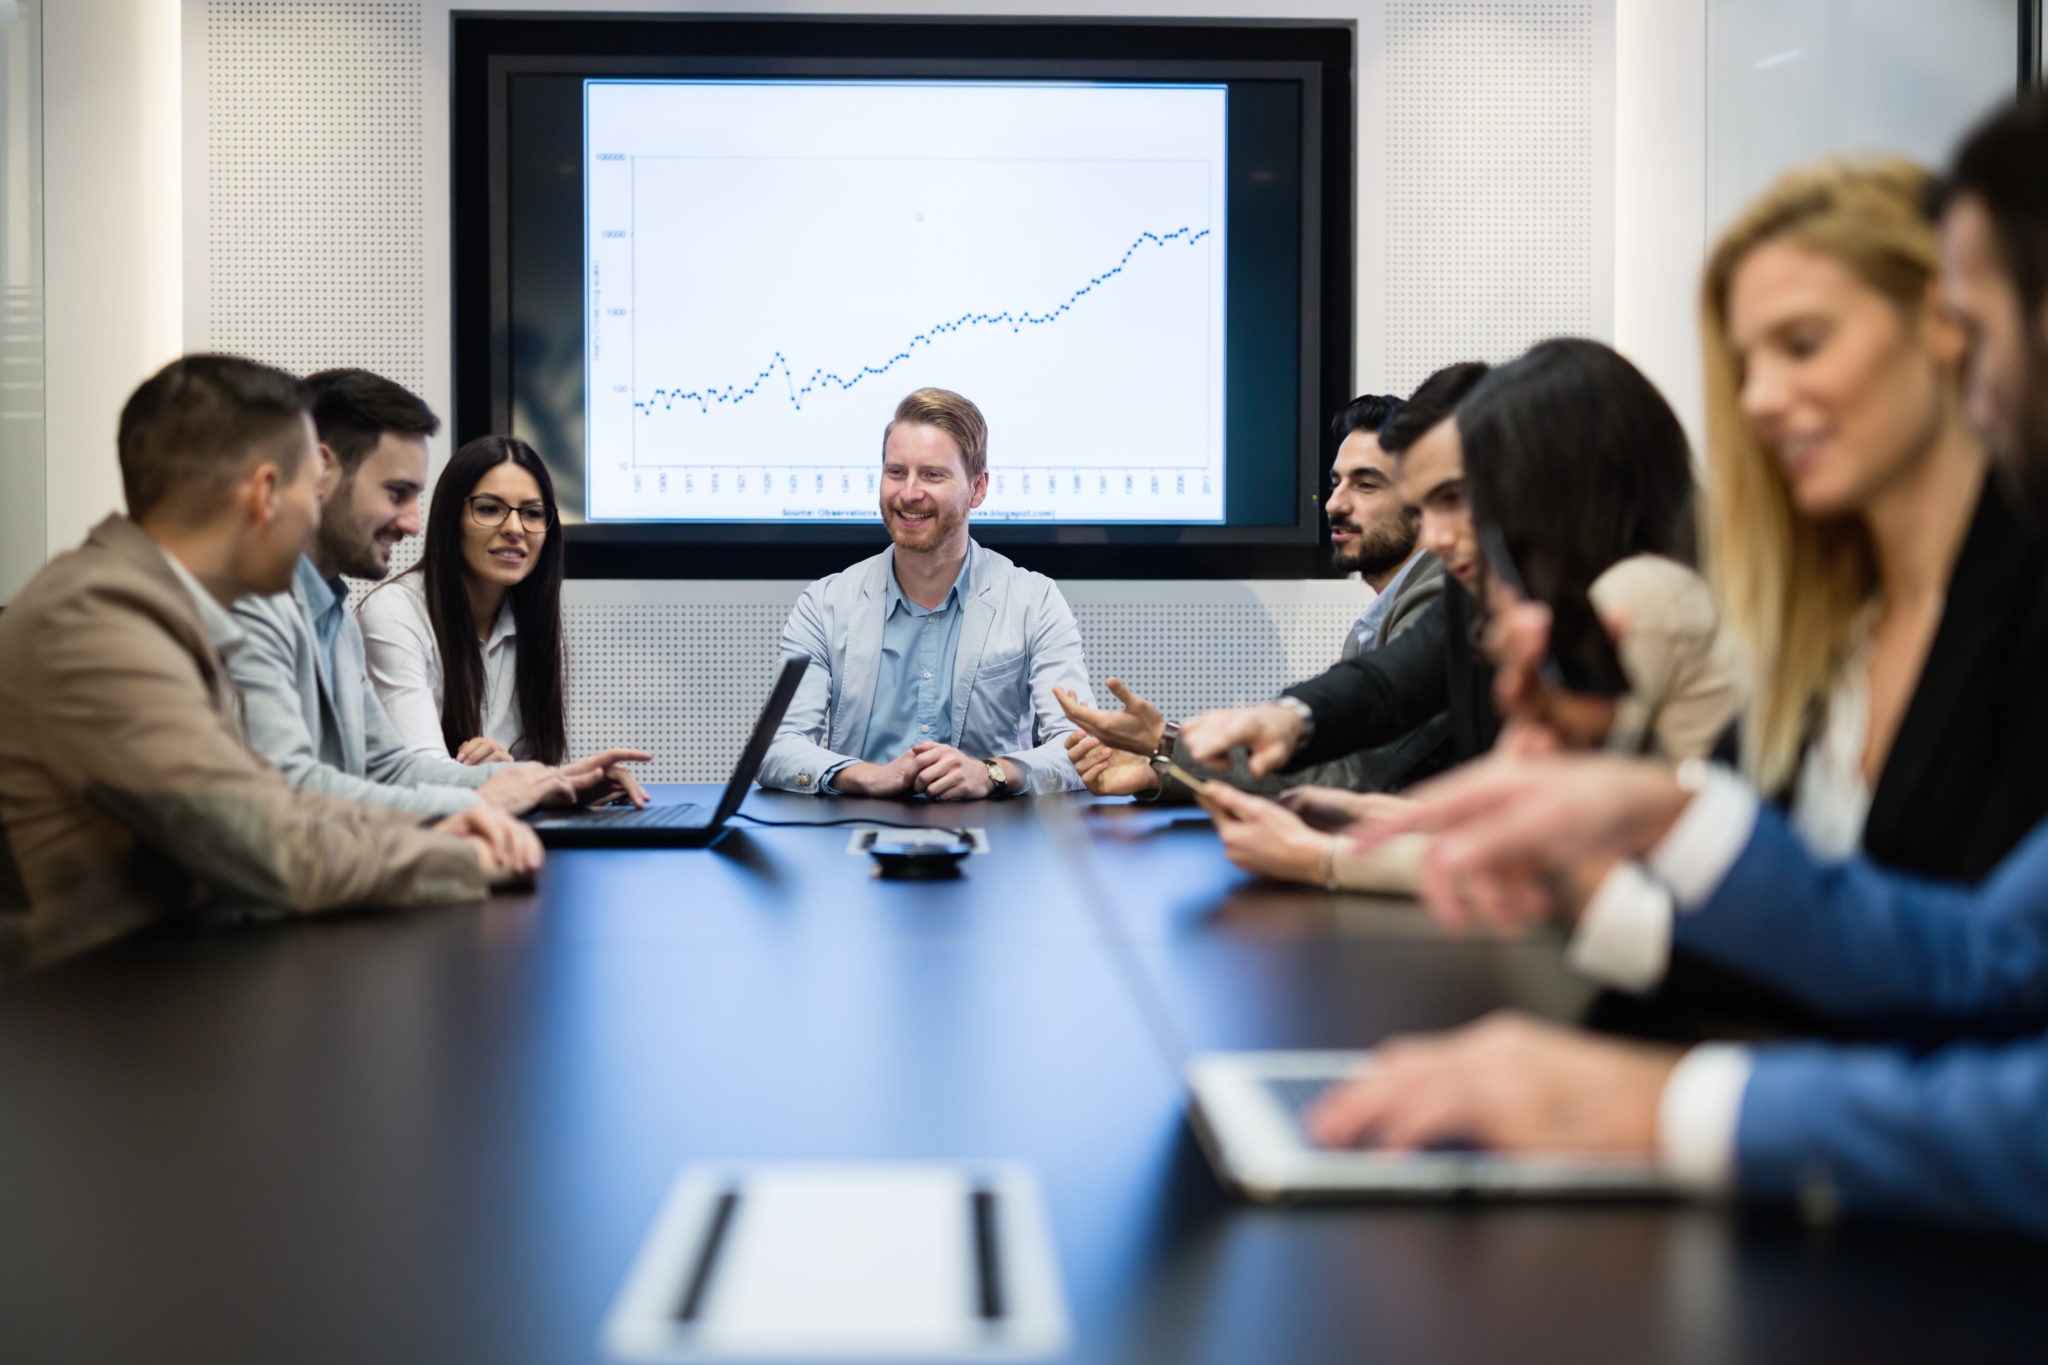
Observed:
{"x":1330,"y":863}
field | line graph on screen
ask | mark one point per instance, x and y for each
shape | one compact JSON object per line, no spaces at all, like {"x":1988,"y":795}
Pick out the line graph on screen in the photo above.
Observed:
{"x":665,"y":400}
{"x":756,"y":312}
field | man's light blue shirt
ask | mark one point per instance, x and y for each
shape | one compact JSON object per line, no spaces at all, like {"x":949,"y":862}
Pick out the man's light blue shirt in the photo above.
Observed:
{"x":328,"y":597}
{"x":913,"y":699}
{"x":1368,"y":628}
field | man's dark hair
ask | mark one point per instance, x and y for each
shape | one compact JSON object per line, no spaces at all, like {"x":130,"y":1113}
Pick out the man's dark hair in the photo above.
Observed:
{"x":353,"y":409}
{"x":2003,"y":165}
{"x":202,"y":422}
{"x":1367,"y":412}
{"x":1580,"y":463}
{"x":1434,"y":399}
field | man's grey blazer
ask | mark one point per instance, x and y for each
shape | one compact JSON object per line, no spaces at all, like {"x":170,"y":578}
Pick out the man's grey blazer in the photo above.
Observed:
{"x":1424,"y":584}
{"x":333,"y":735}
{"x":1018,"y":641}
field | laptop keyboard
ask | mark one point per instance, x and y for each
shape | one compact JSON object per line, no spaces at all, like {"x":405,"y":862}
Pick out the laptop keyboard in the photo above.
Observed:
{"x":681,"y":815}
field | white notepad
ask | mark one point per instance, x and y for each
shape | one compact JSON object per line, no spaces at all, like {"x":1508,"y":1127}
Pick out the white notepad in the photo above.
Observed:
{"x":895,"y":1261}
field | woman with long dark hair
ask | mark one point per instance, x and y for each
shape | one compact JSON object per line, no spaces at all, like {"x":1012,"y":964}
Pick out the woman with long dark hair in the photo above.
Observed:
{"x":465,"y":648}
{"x":1577,"y":475}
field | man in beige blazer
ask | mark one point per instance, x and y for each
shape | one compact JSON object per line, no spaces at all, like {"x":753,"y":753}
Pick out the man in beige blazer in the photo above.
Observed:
{"x":127,"y":790}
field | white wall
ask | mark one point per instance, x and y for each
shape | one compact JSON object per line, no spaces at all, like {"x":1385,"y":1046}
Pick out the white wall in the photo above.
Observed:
{"x":1660,"y":149}
{"x":121,"y":283}
{"x":112,"y":274}
{"x":116,"y":284}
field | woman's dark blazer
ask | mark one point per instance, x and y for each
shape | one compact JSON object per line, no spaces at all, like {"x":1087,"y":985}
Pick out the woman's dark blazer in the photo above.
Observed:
{"x":1967,"y":775}
{"x":1966,"y":778}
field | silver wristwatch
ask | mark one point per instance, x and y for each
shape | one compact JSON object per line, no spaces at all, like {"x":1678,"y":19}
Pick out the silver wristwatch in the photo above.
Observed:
{"x":1169,"y":735}
{"x":1301,"y":711}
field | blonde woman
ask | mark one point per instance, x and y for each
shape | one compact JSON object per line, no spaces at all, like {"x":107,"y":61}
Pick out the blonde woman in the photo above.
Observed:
{"x":1889,"y":604}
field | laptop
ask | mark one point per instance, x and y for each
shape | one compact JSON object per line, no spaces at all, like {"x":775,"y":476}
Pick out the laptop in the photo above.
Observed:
{"x":682,"y":824}
{"x":1247,"y":1113}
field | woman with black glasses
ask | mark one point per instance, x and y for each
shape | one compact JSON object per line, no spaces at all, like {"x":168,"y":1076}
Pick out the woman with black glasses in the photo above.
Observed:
{"x":465,"y":648}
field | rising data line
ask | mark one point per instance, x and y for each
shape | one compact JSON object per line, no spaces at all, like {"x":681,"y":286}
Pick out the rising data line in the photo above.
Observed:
{"x":664,"y":400}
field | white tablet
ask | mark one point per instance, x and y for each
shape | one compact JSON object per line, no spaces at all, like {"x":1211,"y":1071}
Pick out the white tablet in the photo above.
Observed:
{"x":1247,"y":1110}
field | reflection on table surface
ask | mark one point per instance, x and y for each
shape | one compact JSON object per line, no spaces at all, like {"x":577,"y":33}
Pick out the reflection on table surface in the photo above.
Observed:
{"x":440,"y":1136}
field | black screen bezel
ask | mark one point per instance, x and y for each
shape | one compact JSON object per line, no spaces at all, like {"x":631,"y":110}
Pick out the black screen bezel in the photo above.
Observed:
{"x":487,"y":47}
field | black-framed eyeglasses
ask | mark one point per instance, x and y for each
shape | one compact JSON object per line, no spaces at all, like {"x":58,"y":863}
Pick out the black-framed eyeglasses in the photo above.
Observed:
{"x":486,"y":510}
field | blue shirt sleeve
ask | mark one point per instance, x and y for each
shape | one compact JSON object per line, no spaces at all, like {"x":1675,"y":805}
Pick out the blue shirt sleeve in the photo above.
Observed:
{"x":1880,"y":948}
{"x":1959,"y":1136}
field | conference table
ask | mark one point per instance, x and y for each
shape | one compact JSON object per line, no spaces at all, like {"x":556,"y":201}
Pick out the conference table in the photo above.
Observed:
{"x":440,"y":1136}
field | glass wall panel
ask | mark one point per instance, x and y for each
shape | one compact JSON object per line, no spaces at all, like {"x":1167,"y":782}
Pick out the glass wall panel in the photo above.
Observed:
{"x":1790,"y":80}
{"x":22,"y":504}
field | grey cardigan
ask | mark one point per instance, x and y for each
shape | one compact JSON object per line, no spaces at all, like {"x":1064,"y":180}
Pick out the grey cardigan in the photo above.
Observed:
{"x":331,"y":734}
{"x":1018,"y":641}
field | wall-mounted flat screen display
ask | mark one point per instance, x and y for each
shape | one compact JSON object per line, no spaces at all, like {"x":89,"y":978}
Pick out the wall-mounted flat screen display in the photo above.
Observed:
{"x":699,"y":281}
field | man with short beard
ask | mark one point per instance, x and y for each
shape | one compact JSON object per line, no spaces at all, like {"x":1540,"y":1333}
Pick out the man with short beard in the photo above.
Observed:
{"x":934,"y":662}
{"x":305,"y":686}
{"x":1373,"y":534}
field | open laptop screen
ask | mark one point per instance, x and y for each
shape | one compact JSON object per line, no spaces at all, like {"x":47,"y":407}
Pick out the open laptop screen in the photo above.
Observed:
{"x":751,"y":757}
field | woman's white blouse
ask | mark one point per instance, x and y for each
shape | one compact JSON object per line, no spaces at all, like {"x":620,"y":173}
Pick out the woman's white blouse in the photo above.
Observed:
{"x":1831,"y":799}
{"x":405,"y":668}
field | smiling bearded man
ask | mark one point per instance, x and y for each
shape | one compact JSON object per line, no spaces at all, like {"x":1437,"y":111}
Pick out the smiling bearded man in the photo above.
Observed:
{"x":934,"y":662}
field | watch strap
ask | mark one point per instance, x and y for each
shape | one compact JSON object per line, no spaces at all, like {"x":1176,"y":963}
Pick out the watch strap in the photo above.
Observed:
{"x":1169,"y":735}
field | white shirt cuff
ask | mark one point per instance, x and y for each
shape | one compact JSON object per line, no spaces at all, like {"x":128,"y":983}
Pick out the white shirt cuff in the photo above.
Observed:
{"x":1623,"y":936}
{"x":1697,"y":1117}
{"x":1695,"y":854}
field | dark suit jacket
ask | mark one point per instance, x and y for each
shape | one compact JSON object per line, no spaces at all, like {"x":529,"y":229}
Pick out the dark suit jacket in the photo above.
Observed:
{"x":1433,"y":667}
{"x":1386,"y":767}
{"x":1967,"y":776}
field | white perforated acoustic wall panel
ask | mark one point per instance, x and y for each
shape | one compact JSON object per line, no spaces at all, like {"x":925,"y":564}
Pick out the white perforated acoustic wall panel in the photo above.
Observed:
{"x":1490,"y":174}
{"x":314,"y":205}
{"x":314,"y":194}
{"x":1194,"y":646}
{"x":680,"y":669}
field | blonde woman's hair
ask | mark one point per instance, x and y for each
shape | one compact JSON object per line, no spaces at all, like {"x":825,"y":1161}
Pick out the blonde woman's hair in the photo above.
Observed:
{"x":1792,"y":586}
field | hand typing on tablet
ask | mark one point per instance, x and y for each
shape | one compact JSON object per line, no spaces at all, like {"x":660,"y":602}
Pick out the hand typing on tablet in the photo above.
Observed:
{"x":1508,"y":1083}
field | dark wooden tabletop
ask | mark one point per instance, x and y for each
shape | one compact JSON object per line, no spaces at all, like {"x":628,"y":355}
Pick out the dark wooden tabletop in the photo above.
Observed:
{"x":440,"y":1136}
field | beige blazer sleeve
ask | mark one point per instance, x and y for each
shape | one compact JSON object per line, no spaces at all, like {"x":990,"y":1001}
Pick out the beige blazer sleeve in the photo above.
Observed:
{"x":126,"y":712}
